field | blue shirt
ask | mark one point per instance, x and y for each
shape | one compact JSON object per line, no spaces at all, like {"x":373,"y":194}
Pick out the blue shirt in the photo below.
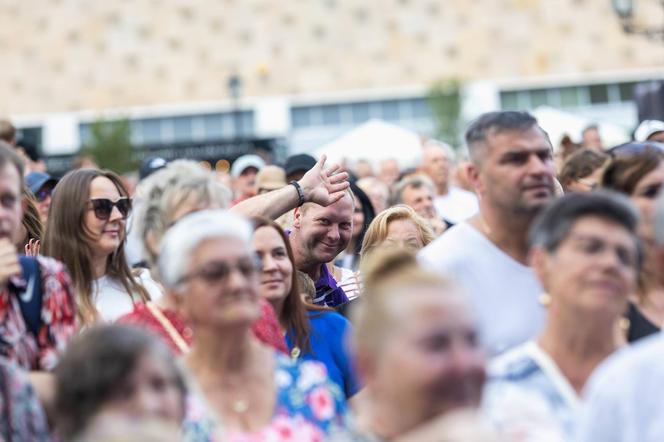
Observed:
{"x":327,"y":338}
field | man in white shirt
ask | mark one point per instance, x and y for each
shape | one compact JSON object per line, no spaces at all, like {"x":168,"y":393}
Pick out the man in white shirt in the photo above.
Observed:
{"x":452,"y":203}
{"x":513,"y":172}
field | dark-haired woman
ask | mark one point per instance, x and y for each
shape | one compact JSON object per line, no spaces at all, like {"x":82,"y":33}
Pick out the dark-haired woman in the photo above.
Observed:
{"x":86,"y":231}
{"x":312,"y":333}
{"x":640,"y":175}
{"x":115,"y":374}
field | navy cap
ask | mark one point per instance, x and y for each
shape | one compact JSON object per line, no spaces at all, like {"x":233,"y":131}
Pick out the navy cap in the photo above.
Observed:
{"x":151,"y":165}
{"x":37,"y":180}
{"x":299,"y":163}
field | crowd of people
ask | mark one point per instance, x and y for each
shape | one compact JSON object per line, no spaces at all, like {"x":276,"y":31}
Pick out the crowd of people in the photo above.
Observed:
{"x":511,"y":294}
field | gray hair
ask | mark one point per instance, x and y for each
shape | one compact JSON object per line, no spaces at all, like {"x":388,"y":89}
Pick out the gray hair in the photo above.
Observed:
{"x":554,"y":223}
{"x":162,"y":192}
{"x":186,"y":235}
{"x":448,"y":151}
{"x":492,"y":123}
{"x":415,"y":181}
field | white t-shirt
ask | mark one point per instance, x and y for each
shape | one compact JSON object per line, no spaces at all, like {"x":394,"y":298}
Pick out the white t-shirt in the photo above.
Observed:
{"x":623,"y":398}
{"x":458,"y":205}
{"x":503,"y":292}
{"x":112,"y":300}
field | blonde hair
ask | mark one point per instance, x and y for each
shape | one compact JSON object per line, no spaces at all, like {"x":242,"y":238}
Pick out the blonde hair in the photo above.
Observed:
{"x":386,"y":274}
{"x":377,"y":231}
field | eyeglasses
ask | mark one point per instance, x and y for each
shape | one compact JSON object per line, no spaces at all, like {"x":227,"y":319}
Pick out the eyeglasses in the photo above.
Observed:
{"x":216,"y":272}
{"x":103,"y":207}
{"x":43,"y":193}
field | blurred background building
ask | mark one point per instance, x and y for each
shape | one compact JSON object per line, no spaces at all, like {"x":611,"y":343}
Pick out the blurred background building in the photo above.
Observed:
{"x":299,"y":73}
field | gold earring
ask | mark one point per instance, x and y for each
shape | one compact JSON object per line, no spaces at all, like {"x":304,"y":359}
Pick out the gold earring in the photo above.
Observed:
{"x":545,"y":299}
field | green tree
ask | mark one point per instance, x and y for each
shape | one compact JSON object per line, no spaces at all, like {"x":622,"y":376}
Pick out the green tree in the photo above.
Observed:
{"x":110,"y":145}
{"x":445,"y":99}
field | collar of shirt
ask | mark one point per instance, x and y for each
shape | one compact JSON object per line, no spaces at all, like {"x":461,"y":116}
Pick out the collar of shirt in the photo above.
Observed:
{"x":327,"y":291}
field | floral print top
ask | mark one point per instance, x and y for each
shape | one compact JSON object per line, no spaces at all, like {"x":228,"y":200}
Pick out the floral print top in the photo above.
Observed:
{"x":308,"y":409}
{"x":58,"y":319}
{"x":21,"y":415}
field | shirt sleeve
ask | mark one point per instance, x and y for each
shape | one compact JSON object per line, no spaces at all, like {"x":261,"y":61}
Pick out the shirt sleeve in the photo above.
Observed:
{"x":58,"y":312}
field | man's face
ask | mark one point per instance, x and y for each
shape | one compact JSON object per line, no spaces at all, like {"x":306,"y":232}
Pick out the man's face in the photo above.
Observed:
{"x":420,"y":199}
{"x":436,"y":165}
{"x":11,"y":209}
{"x":592,"y":139}
{"x":657,"y":136}
{"x":323,"y":232}
{"x":244,"y":184}
{"x":517,"y":171}
{"x":389,"y":172}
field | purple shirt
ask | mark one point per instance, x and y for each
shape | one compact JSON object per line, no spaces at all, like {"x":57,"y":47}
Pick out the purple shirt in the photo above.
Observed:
{"x":327,"y":291}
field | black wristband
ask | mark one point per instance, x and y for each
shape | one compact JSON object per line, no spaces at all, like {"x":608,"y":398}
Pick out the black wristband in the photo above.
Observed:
{"x":300,"y":193}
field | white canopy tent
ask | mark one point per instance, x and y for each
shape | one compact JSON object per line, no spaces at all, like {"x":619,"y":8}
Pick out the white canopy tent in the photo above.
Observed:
{"x":375,"y":140}
{"x":558,"y":123}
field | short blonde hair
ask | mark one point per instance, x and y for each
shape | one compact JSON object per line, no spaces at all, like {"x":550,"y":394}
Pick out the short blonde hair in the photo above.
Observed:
{"x":386,"y":274}
{"x":377,"y":231}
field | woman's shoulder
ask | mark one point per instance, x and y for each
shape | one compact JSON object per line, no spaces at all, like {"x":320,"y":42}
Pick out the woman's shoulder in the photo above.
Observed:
{"x":328,"y":318}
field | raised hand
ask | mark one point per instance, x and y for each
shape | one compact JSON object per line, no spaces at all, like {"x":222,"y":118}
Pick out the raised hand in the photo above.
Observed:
{"x":324,"y":186}
{"x":32,"y":247}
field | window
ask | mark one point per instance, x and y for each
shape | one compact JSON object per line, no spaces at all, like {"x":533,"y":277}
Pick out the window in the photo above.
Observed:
{"x":391,"y":110}
{"x":599,"y":94}
{"x":509,"y":100}
{"x":569,"y":96}
{"x":331,"y":115}
{"x":182,"y":129}
{"x":360,"y":112}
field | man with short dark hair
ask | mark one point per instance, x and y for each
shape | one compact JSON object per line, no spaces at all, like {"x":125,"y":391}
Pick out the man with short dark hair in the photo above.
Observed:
{"x":513,"y":173}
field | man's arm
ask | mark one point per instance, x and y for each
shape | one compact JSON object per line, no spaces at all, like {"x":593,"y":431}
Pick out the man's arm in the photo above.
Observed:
{"x":321,"y":186}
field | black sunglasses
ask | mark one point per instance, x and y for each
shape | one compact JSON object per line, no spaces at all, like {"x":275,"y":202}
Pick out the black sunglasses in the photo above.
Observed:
{"x":103,"y":207}
{"x":43,"y":193}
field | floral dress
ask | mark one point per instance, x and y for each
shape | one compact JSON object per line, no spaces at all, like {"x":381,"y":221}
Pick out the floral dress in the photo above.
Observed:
{"x":308,"y":409}
{"x":58,"y":319}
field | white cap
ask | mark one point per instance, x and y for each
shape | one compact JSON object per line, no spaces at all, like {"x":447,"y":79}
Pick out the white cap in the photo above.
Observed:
{"x":647,"y":128}
{"x":244,"y":162}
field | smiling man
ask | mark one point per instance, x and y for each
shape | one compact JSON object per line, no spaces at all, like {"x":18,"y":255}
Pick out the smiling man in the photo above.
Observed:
{"x":513,"y":172}
{"x":319,"y":234}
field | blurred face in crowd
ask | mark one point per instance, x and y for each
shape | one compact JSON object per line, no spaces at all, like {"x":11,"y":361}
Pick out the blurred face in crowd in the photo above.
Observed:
{"x":657,"y":136}
{"x":592,"y":139}
{"x":593,"y":270}
{"x":149,"y":392}
{"x":244,"y":184}
{"x":43,"y":201}
{"x":321,"y":233}
{"x":420,"y":199}
{"x":389,"y":172}
{"x":403,"y":233}
{"x":645,"y":196}
{"x":363,"y":169}
{"x":276,"y":272}
{"x":11,"y":206}
{"x":587,"y":183}
{"x":220,"y":288}
{"x":517,"y":171}
{"x":106,"y":234}
{"x":358,"y":217}
{"x":434,"y":349}
{"x":436,"y":165}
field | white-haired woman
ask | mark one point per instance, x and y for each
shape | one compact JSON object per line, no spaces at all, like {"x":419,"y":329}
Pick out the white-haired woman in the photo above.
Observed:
{"x":241,"y":389}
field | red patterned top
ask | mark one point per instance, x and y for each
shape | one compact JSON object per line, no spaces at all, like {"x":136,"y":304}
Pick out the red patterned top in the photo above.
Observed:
{"x":58,"y":319}
{"x":266,"y":329}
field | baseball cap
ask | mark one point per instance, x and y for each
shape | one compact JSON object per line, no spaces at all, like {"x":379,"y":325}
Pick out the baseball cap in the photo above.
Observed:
{"x":36,"y":180}
{"x":648,"y":128}
{"x":270,"y":178}
{"x":244,"y":162}
{"x":299,"y":163}
{"x":151,"y":165}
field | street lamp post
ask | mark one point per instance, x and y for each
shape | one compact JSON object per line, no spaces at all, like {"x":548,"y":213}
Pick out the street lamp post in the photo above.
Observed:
{"x":625,"y":10}
{"x":234,"y":87}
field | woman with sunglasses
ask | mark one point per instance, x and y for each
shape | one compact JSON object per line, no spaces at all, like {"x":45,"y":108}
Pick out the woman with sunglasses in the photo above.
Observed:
{"x":640,"y":175}
{"x":86,"y":231}
{"x":240,"y":389}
